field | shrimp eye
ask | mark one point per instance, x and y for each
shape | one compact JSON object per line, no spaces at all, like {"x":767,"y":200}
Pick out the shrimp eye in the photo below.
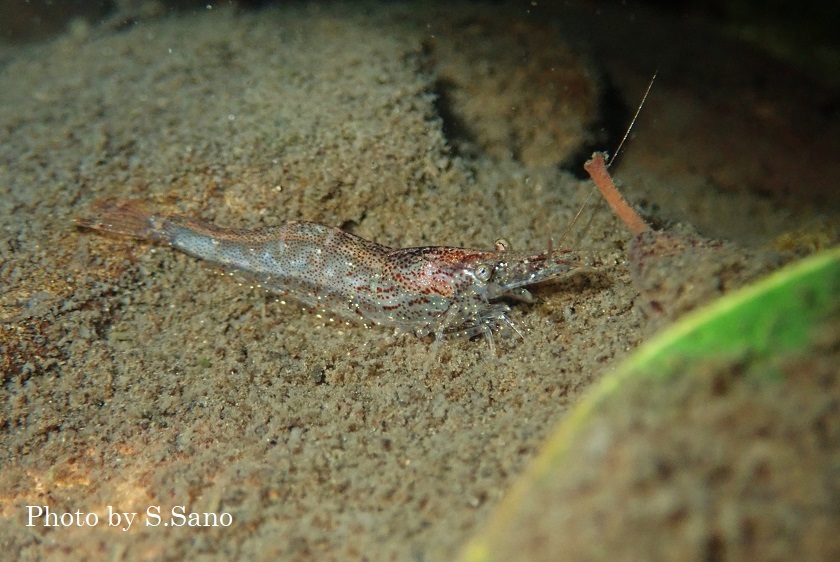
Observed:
{"x":502,"y":245}
{"x":483,"y":272}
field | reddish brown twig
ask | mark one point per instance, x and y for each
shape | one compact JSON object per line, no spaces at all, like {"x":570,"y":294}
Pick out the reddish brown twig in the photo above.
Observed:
{"x":597,"y":169}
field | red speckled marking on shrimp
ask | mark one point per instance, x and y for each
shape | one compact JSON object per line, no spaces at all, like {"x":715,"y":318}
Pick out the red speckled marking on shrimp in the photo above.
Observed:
{"x":437,"y":290}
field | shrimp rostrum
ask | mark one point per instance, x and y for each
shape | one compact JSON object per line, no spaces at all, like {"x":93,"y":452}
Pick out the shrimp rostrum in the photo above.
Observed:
{"x":439,"y":290}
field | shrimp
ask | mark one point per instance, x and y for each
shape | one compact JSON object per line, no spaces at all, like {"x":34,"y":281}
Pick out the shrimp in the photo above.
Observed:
{"x":433,"y":290}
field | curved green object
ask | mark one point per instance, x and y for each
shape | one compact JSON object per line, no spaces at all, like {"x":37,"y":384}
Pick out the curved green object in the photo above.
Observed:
{"x":772,"y":316}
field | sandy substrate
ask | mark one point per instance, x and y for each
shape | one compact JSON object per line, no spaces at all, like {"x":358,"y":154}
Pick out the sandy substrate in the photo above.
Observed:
{"x":135,"y":377}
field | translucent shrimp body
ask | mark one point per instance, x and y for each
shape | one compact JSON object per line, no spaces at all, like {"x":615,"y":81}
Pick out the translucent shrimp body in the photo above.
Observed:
{"x":439,"y":290}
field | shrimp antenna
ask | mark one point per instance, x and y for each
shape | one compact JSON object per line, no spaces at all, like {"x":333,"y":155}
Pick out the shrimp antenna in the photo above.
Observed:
{"x":633,"y":121}
{"x":574,"y":220}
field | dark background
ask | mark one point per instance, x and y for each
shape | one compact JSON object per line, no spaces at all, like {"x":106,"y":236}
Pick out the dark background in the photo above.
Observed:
{"x":804,"y":34}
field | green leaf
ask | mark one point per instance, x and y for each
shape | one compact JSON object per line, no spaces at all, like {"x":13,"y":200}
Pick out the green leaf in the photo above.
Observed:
{"x":774,"y":316}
